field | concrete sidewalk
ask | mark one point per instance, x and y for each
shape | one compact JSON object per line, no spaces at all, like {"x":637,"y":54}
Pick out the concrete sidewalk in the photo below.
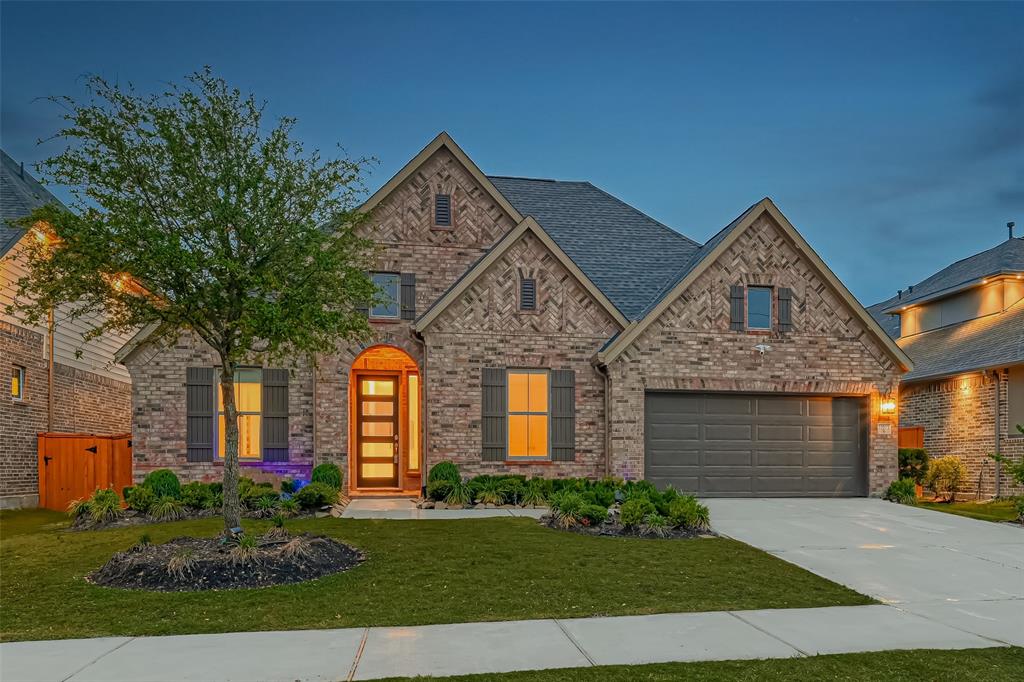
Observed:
{"x":368,"y":653}
{"x":405,"y":509}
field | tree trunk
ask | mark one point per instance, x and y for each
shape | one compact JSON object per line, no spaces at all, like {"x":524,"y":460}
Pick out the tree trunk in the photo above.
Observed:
{"x":232,"y":507}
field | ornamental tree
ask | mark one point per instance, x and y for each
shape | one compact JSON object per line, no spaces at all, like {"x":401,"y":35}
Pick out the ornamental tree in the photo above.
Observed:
{"x":190,"y":216}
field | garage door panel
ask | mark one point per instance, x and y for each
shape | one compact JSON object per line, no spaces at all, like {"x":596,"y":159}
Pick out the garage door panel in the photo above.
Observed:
{"x":749,"y":445}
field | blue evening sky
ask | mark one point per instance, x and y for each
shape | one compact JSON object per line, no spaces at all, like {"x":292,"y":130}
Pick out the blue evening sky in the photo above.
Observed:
{"x":891,"y":135}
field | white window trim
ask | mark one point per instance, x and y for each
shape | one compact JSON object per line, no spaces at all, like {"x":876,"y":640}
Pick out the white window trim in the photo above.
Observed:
{"x":398,"y":296}
{"x":216,"y":418}
{"x":21,"y":383}
{"x":509,"y":457}
{"x":771,"y":308}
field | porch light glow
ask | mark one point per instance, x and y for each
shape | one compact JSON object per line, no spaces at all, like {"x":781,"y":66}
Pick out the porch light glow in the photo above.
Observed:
{"x":888,"y":406}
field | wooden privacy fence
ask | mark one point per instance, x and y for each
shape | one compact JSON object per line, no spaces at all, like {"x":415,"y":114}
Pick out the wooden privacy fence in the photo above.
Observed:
{"x":911,"y":437}
{"x":73,"y":465}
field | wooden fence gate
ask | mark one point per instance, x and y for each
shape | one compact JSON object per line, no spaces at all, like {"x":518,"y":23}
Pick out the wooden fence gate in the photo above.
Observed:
{"x":73,"y":465}
{"x":911,"y":437}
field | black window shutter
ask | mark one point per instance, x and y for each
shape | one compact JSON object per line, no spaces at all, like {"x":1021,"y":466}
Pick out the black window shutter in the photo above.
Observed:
{"x":527,"y":294}
{"x":493,"y":413}
{"x":364,"y":307}
{"x":785,"y":309}
{"x":408,"y":296}
{"x":563,"y":415}
{"x":275,"y":415}
{"x":443,"y":210}
{"x":736,"y":307}
{"x":200,"y":412}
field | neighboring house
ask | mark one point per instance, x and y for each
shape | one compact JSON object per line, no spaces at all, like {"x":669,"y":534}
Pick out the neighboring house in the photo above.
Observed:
{"x":964,"y":329}
{"x":547,"y":328}
{"x":82,"y":390}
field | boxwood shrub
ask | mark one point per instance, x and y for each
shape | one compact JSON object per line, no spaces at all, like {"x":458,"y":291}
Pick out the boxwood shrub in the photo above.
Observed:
{"x":328,"y":473}
{"x":444,"y":471}
{"x":316,"y":495}
{"x":163,"y":483}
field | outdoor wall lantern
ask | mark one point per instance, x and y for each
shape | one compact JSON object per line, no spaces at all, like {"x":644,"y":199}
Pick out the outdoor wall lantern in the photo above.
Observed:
{"x":888,"y":406}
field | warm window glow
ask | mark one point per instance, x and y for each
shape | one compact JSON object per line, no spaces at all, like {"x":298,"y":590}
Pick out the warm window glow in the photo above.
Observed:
{"x":18,"y":382}
{"x":372,"y":387}
{"x":528,"y":418}
{"x":414,"y":422}
{"x":249,"y":403}
{"x":378,"y":470}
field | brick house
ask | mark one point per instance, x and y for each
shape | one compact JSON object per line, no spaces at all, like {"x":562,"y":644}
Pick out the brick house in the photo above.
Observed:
{"x":964,"y":329}
{"x":547,"y":328}
{"x":83,"y":390}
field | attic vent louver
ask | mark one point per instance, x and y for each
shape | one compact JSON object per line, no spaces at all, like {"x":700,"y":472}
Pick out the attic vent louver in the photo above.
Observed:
{"x":527,"y":294}
{"x":443,"y":210}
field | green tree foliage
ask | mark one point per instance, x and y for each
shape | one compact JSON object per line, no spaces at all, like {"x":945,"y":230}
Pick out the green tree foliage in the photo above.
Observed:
{"x":191,"y":214}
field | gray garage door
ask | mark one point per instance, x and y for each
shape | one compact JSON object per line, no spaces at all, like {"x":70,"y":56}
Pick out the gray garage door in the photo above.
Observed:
{"x":745,"y":445}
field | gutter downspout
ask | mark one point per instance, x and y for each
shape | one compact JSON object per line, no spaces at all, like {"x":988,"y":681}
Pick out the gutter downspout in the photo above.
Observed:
{"x":998,"y":486}
{"x":418,"y":338}
{"x":607,"y":418}
{"x":49,"y":373}
{"x":316,"y":370}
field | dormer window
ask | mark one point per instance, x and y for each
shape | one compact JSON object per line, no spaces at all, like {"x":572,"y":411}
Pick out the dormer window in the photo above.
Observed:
{"x":443,"y":210}
{"x":528,"y":294}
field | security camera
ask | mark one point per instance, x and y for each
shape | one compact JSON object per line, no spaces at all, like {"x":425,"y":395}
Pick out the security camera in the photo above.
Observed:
{"x":762,"y":348}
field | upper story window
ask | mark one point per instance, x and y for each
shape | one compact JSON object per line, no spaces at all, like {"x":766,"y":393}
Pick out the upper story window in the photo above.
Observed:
{"x":386,"y":302}
{"x":18,"y":382}
{"x":759,"y":308}
{"x":249,"y":403}
{"x":527,"y":413}
{"x":442,"y":210}
{"x":528,"y":294}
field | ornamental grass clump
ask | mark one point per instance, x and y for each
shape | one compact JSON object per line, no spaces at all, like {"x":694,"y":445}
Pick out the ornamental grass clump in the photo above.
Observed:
{"x":101,"y":507}
{"x":534,"y":495}
{"x":167,"y":508}
{"x":903,"y":491}
{"x":567,"y":507}
{"x":686,"y":512}
{"x":460,"y":494}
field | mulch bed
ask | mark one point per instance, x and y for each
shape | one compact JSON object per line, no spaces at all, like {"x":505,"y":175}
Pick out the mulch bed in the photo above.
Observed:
{"x":618,"y":530}
{"x":130,"y":517}
{"x":188,"y":564}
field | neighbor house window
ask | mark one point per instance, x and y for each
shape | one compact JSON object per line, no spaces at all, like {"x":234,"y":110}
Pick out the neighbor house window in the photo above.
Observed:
{"x":442,"y":210}
{"x":527,"y":413}
{"x":249,"y":403}
{"x":385,"y":301}
{"x":17,"y":382}
{"x":527,"y":294}
{"x":759,"y":308}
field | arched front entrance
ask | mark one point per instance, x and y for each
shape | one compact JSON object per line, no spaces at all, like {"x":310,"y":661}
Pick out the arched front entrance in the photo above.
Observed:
{"x":385,"y":423}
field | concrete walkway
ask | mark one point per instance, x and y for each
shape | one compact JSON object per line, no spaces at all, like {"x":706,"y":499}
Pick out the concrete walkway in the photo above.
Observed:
{"x":368,"y":653}
{"x":405,"y":509}
{"x":961,"y":572}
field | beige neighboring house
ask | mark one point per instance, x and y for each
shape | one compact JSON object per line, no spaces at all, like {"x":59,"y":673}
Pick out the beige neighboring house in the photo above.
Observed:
{"x":964,"y":329}
{"x":59,"y":383}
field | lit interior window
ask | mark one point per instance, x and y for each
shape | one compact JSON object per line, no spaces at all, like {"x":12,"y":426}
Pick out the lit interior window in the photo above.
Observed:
{"x":414,"y":422}
{"x":527,"y":414}
{"x":249,"y":403}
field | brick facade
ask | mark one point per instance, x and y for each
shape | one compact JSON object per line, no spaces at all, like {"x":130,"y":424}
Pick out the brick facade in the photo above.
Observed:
{"x":84,"y":402}
{"x":959,"y":418}
{"x":690,"y":347}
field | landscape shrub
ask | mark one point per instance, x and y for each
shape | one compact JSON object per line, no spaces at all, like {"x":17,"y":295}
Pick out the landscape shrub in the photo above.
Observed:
{"x":167,"y":508}
{"x":260,"y":498}
{"x":686,"y":512}
{"x":486,"y":490}
{"x":1014,"y":469}
{"x":512,"y":489}
{"x":140,"y":498}
{"x":459,"y":494}
{"x":535,"y":493}
{"x":913,"y":464}
{"x":217,"y":488}
{"x":328,"y":473}
{"x":655,"y":524}
{"x":600,"y":495}
{"x":197,"y":495}
{"x":1018,"y":506}
{"x":634,"y":510}
{"x":289,"y":507}
{"x":444,"y":471}
{"x":594,"y":514}
{"x":163,"y":483}
{"x":316,"y":495}
{"x":567,"y":505}
{"x":287,"y":486}
{"x":945,"y":476}
{"x":438,"y":490}
{"x":902,"y":491}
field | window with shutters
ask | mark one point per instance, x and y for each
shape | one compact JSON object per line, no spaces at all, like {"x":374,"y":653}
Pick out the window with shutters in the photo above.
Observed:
{"x":249,"y":403}
{"x":528,"y":294}
{"x":759,"y":308}
{"x":386,"y":302}
{"x":527,"y":413}
{"x":443,"y":211}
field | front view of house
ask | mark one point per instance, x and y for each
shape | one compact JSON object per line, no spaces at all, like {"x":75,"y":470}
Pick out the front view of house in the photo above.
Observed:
{"x":546,"y":328}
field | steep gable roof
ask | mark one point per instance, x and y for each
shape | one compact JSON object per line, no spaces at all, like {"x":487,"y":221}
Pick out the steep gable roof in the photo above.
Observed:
{"x":890,"y":323}
{"x":626,"y":253}
{"x":718,"y":245}
{"x":1007,"y":257}
{"x":494,"y":253}
{"x":982,"y":343}
{"x":20,"y":194}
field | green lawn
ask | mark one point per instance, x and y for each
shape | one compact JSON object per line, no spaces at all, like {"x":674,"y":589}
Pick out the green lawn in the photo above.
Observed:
{"x":995,"y":510}
{"x":990,"y":665}
{"x":417,"y":572}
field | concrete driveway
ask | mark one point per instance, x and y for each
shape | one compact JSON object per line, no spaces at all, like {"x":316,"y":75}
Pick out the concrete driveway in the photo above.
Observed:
{"x":964,"y":573}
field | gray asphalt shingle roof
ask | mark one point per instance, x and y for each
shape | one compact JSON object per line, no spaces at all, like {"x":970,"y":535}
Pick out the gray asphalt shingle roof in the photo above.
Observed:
{"x":890,"y":323}
{"x":628,"y":255}
{"x":1006,"y":257}
{"x":20,"y":194}
{"x":985,"y":342}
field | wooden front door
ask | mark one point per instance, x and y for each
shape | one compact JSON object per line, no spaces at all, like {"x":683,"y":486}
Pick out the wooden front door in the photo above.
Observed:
{"x":377,"y":445}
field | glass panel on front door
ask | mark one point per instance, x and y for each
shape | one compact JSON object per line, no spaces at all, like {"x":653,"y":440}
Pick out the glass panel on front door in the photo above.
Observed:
{"x":377,"y":432}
